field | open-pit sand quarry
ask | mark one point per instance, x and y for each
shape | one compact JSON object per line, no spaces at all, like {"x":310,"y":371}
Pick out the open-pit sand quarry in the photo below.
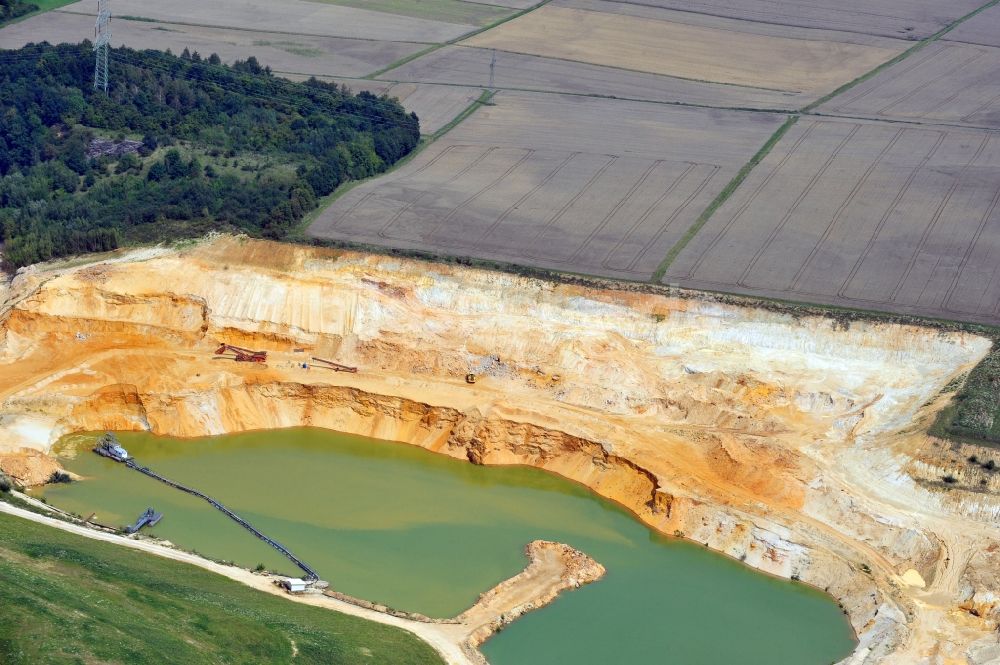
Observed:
{"x":796,"y":444}
{"x":427,"y":533}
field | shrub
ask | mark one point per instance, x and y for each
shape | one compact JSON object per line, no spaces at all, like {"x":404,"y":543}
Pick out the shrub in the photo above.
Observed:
{"x":976,"y":410}
{"x":950,"y":479}
{"x":59,"y":477}
{"x":13,"y":9}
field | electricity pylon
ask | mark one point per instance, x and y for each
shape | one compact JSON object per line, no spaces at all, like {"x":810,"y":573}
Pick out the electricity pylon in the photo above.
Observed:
{"x":102,"y":39}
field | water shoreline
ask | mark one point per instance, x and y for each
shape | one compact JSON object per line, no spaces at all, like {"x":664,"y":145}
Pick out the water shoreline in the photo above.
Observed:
{"x":233,"y":466}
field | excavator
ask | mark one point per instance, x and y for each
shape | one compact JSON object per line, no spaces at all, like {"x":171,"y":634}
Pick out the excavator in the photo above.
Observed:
{"x":242,"y":355}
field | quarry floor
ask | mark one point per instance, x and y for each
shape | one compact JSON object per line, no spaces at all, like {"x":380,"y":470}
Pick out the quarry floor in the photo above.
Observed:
{"x":795,"y":443}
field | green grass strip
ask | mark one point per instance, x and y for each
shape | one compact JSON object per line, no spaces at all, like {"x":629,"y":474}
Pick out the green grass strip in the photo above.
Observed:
{"x":43,"y":6}
{"x":49,"y":5}
{"x":402,"y":61}
{"x":139,"y":19}
{"x":69,"y":599}
{"x":146,"y":19}
{"x":460,"y":38}
{"x":707,"y":213}
{"x":899,"y":58}
{"x":485,"y":98}
{"x":456,"y":12}
{"x":495,"y":24}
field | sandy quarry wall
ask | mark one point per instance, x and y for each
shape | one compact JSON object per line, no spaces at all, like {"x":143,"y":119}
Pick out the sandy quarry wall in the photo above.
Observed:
{"x":751,"y":431}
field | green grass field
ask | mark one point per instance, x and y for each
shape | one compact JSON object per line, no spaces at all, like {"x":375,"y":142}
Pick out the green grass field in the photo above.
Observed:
{"x":43,"y":6}
{"x":47,"y":5}
{"x":68,"y":599}
{"x":447,"y":11}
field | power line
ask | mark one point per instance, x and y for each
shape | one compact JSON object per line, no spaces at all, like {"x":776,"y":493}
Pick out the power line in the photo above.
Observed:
{"x":207,"y":73}
{"x":102,"y":40}
{"x":228,"y":71}
{"x":317,"y":96}
{"x":272,"y":96}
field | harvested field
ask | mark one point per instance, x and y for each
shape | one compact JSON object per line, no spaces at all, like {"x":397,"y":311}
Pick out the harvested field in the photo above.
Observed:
{"x":579,"y":184}
{"x":945,"y":82}
{"x":983,"y":29}
{"x":435,"y":105}
{"x":283,"y":53}
{"x":907,"y":19}
{"x":295,"y":17}
{"x":862,"y":214}
{"x":446,"y":11}
{"x":471,"y":66}
{"x":671,"y":48}
{"x":652,"y":11}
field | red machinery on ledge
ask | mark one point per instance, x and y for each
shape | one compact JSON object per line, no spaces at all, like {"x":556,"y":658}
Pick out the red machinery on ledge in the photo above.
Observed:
{"x":242,"y":355}
{"x":336,"y":367}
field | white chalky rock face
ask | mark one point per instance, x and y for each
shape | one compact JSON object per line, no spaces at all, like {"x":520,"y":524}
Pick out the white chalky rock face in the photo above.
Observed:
{"x":794,"y":443}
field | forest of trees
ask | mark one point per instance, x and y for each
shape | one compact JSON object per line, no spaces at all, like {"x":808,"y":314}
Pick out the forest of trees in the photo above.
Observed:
{"x":11,"y":9}
{"x":220,"y":147}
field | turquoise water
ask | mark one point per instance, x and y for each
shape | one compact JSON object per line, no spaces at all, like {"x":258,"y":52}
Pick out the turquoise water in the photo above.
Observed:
{"x":422,"y":532}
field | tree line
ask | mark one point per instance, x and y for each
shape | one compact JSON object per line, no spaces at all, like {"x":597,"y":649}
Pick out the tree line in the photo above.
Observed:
{"x":12,"y":9}
{"x":222,"y":147}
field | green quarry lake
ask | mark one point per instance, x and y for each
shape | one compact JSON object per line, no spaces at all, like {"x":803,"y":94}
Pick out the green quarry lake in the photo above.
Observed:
{"x":399,"y":525}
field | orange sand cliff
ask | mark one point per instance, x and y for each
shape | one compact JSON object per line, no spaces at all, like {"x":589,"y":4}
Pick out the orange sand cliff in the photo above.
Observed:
{"x":793,"y":443}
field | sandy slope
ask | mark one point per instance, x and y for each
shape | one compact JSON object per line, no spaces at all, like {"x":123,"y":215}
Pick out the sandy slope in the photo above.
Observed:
{"x":793,"y":443}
